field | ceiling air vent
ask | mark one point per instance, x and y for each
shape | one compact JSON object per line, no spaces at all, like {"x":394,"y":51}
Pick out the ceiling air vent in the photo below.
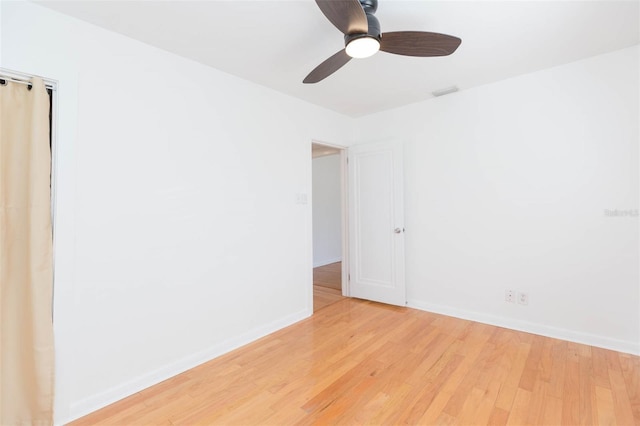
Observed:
{"x":445,"y":91}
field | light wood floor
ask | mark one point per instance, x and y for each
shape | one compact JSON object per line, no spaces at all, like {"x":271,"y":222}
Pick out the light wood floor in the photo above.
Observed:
{"x":358,"y":362}
{"x":327,"y":285}
{"x":328,"y":275}
{"x":323,"y":297}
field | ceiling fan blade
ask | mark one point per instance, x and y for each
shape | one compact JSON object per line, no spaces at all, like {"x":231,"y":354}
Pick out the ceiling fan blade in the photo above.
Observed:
{"x":328,"y":67}
{"x":347,"y":15}
{"x":419,"y":43}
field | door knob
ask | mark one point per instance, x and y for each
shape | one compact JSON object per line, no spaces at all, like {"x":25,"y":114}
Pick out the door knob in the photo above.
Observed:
{"x":397,"y":230}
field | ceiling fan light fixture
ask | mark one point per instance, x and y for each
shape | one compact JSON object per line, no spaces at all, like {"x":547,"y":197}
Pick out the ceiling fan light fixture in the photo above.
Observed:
{"x":363,"y":47}
{"x":363,"y":37}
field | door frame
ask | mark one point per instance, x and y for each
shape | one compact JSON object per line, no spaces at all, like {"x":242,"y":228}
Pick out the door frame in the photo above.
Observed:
{"x":344,"y":214}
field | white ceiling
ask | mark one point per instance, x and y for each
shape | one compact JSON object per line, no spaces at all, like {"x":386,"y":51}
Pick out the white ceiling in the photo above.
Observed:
{"x":277,"y":43}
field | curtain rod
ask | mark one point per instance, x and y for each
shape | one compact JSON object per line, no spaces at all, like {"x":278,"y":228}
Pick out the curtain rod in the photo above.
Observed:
{"x":24,"y":79}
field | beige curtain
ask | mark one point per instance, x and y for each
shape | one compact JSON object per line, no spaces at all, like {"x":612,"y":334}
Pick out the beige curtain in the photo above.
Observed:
{"x":26,"y":329}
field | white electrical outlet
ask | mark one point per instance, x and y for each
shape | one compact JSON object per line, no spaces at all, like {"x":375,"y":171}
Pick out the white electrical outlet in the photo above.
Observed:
{"x":510,"y":296}
{"x":523,"y":298}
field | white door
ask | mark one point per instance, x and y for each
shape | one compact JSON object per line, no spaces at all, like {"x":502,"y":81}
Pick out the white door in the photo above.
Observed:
{"x":376,"y":223}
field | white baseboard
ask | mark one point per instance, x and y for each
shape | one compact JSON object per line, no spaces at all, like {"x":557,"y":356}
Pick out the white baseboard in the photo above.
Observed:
{"x":95,"y":402}
{"x":625,"y":346}
{"x":326,"y":261}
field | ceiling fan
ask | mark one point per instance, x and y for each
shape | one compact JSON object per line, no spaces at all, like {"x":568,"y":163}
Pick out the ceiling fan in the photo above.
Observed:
{"x":363,"y":37}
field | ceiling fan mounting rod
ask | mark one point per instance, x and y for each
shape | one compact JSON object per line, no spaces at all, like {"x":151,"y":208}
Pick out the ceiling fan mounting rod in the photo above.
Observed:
{"x":369,"y":6}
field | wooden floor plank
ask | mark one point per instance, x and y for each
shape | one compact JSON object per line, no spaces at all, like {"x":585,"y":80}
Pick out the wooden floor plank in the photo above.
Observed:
{"x":359,"y":362}
{"x":587,"y":388}
{"x":621,"y":400}
{"x":630,"y":366}
{"x":558,"y":364}
{"x":605,"y":408}
{"x":551,"y":410}
{"x":329,"y":276}
{"x":510,"y":387}
{"x":600,"y":368}
{"x":498,"y":417}
{"x":327,"y":285}
{"x":571,"y":393}
{"x":520,"y":409}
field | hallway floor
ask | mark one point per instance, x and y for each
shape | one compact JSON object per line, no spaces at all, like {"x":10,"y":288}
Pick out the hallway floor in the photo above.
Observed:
{"x":327,"y":285}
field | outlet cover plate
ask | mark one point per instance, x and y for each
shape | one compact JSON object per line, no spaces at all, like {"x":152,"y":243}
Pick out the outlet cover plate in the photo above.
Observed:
{"x":523,"y":298}
{"x":510,"y":296}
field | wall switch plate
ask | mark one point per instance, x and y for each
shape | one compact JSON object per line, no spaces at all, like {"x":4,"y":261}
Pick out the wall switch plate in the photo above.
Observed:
{"x":510,"y":296}
{"x":523,"y":298}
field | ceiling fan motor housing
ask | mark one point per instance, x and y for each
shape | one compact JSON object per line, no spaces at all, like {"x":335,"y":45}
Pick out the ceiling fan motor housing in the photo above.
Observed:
{"x":370,"y":7}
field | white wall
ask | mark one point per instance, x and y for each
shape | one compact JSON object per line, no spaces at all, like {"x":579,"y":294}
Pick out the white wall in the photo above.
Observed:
{"x":506,"y":186}
{"x":177,"y":232}
{"x":327,"y":210}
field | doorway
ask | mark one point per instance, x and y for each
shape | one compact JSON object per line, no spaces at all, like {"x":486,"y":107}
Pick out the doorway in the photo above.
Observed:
{"x":328,"y":213}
